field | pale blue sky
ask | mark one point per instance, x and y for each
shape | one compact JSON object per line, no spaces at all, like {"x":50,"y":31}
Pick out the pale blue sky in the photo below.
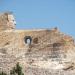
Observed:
{"x":31,"y":14}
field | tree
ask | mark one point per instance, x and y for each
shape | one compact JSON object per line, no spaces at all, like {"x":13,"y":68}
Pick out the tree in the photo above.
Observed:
{"x":2,"y":73}
{"x":17,"y":70}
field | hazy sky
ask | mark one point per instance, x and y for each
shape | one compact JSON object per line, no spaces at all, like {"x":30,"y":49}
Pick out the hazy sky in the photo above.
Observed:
{"x":42,"y":14}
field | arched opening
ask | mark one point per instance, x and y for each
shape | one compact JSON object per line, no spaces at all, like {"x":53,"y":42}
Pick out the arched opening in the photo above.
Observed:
{"x":28,"y":40}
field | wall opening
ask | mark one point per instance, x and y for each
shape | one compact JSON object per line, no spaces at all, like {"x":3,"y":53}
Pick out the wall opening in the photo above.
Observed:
{"x":28,"y":40}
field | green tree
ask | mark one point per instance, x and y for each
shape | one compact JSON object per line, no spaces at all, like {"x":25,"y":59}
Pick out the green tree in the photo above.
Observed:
{"x":2,"y":73}
{"x":17,"y":70}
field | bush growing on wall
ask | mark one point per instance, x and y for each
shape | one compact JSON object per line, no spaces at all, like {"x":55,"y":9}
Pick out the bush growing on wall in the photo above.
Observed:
{"x":2,"y":73}
{"x":15,"y":71}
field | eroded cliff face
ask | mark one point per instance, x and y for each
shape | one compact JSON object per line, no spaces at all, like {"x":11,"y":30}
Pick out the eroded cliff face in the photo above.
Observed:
{"x":40,"y":52}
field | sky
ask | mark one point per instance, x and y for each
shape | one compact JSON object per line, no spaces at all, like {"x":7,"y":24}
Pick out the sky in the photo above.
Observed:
{"x":45,"y":14}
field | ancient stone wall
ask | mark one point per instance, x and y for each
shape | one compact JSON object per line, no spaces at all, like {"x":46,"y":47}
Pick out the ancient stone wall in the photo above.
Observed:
{"x":40,"y":52}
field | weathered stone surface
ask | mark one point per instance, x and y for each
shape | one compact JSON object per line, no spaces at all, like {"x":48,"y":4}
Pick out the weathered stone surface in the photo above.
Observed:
{"x":40,"y":52}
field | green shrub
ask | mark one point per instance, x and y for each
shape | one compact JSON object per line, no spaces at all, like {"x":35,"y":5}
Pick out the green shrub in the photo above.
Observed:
{"x":17,"y":70}
{"x":2,"y":73}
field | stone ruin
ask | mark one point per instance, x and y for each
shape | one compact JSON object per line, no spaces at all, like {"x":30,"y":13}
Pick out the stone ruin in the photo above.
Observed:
{"x":39,"y":51}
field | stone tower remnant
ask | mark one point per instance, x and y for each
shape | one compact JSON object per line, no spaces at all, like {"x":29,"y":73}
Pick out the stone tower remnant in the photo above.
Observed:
{"x":7,"y":21}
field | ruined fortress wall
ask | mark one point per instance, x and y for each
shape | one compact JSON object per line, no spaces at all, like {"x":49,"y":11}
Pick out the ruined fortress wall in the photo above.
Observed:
{"x":17,"y":38}
{"x":14,"y":45}
{"x":40,"y":51}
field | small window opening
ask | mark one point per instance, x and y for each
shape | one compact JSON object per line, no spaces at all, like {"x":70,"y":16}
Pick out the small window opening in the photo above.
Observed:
{"x":28,"y":40}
